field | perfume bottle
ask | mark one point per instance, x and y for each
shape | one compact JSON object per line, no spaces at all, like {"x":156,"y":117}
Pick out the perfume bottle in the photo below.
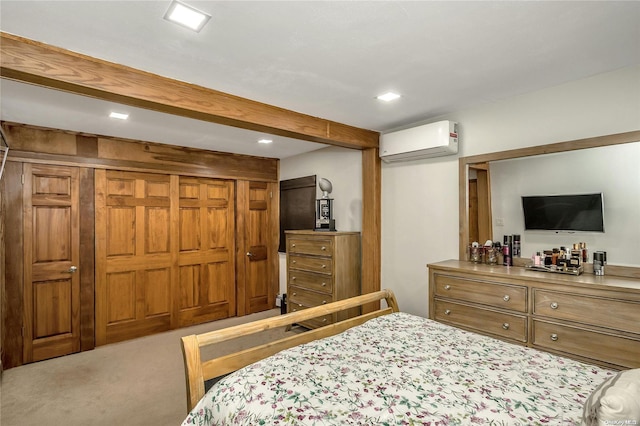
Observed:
{"x":507,"y":250}
{"x":516,"y":246}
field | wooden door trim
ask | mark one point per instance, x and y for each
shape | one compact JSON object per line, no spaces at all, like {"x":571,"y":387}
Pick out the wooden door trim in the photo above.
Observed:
{"x":13,"y":269}
{"x":242,"y":205}
{"x":87,"y":260}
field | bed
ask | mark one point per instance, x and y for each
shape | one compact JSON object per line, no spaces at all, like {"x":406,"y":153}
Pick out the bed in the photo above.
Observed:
{"x":384,"y":367}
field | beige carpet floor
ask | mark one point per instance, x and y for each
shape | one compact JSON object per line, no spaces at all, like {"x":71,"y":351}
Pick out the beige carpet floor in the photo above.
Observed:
{"x":137,"y":382}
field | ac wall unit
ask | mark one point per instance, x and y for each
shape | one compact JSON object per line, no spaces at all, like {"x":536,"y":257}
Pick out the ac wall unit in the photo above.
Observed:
{"x":426,"y":141}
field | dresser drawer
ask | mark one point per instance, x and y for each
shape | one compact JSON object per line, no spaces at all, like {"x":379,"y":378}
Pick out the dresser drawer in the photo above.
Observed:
{"x":503,"y":296}
{"x":316,"y":246}
{"x":311,"y":280}
{"x":609,"y":313}
{"x":303,"y":297}
{"x":321,"y":265}
{"x":483,"y":320}
{"x":587,"y":343}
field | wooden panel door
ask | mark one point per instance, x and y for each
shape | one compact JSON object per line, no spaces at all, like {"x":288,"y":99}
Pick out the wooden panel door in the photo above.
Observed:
{"x":257,"y":254}
{"x":51,"y":255}
{"x":480,"y":217}
{"x":135,"y":221}
{"x":206,"y":278}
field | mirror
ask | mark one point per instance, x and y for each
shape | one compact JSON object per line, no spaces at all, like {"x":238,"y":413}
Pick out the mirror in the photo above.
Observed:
{"x":561,"y":168}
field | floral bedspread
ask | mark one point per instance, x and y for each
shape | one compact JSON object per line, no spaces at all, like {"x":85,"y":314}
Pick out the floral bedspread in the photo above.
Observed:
{"x":401,"y":369}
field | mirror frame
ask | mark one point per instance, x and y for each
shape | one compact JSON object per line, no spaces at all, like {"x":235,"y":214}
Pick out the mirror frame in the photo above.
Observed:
{"x":465,"y":163}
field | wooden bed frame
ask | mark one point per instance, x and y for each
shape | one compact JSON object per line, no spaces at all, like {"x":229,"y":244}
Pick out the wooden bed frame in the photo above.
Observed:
{"x":197,"y":371}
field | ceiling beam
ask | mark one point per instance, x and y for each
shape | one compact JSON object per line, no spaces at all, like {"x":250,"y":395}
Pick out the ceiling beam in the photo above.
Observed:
{"x":37,"y":63}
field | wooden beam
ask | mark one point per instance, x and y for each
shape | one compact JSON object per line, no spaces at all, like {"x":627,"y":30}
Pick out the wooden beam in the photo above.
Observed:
{"x":371,"y":224}
{"x":33,"y":62}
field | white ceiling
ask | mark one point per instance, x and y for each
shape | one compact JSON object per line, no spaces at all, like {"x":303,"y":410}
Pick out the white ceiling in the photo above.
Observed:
{"x":323,"y":58}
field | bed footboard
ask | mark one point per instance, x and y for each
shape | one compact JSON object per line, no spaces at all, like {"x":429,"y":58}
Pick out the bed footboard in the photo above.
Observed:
{"x":197,"y":371}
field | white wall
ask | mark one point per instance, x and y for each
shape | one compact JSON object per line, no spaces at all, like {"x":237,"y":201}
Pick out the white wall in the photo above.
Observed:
{"x":420,"y":198}
{"x":343,"y":167}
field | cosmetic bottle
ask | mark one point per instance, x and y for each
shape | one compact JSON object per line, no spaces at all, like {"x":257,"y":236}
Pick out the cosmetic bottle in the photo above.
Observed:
{"x":516,"y":246}
{"x":507,"y":248}
{"x":598,"y":263}
{"x":585,"y":256}
{"x":536,"y":259}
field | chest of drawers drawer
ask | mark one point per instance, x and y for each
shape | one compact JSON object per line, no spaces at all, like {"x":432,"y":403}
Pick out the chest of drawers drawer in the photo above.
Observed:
{"x":313,"y":264}
{"x":486,"y":321}
{"x":313,"y":322}
{"x":609,"y":313}
{"x":304,"y":297}
{"x":587,"y":343}
{"x":313,"y":281}
{"x":317,"y":247}
{"x":511,"y":297}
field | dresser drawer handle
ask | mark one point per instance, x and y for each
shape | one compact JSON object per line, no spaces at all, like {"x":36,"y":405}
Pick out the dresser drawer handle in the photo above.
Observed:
{"x":294,"y":310}
{"x":293,"y":278}
{"x":324,"y":284}
{"x":324,"y":320}
{"x":505,"y":325}
{"x":323,"y":248}
{"x":506,"y":298}
{"x":293,"y":245}
{"x":324,"y":302}
{"x":294,"y":261}
{"x":447,"y":312}
{"x":324,"y":266}
{"x":554,"y":337}
{"x":554,"y":305}
{"x":300,"y":304}
{"x":295,"y":294}
{"x":447,"y":287}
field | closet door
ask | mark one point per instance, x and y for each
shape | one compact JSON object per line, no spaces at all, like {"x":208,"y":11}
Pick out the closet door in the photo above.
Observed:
{"x":206,"y":278}
{"x":258,"y":246}
{"x":135,"y":220}
{"x":51,"y":259}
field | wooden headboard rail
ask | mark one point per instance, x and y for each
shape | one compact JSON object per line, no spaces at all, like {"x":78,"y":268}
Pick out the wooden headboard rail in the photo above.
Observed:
{"x":197,"y":371}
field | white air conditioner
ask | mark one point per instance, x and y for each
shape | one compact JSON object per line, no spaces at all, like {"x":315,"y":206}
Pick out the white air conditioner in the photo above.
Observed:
{"x":426,"y":141}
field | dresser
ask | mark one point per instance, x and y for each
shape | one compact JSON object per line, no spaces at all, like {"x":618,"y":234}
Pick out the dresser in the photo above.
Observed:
{"x":322,"y":267}
{"x":590,"y":318}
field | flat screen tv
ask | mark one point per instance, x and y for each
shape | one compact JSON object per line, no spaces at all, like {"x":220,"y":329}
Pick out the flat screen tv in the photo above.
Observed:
{"x":582,"y":212}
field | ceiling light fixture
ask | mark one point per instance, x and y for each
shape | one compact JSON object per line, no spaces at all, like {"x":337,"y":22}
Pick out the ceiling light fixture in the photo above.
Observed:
{"x":119,"y":115}
{"x":265,"y":140}
{"x":187,"y":16}
{"x":388,"y":97}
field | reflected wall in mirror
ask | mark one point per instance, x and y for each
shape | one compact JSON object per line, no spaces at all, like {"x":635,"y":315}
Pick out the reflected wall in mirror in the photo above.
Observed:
{"x":565,"y":167}
{"x":610,"y":170}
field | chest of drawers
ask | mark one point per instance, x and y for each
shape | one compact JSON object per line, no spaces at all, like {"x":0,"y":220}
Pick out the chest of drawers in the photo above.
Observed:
{"x":322,"y":267}
{"x":590,"y":318}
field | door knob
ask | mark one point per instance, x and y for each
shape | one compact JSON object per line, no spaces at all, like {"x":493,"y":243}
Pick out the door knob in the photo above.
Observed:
{"x":72,"y":270}
{"x":249,"y":254}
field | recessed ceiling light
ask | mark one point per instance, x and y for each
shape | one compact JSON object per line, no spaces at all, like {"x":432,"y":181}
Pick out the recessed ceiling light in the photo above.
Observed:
{"x":265,"y":140}
{"x":119,"y":115}
{"x":187,"y":16}
{"x":387,"y":97}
